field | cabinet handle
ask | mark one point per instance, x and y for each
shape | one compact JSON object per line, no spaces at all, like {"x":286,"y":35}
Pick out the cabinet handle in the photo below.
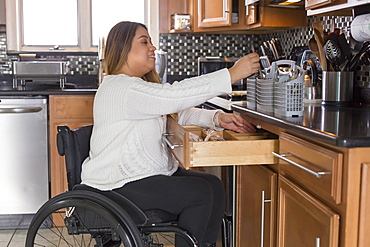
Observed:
{"x":172,"y":146}
{"x":283,"y":157}
{"x":263,"y":216}
{"x":317,"y":242}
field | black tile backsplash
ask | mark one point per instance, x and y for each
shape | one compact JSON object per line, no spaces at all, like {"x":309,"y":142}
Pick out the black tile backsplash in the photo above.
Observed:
{"x":184,"y":49}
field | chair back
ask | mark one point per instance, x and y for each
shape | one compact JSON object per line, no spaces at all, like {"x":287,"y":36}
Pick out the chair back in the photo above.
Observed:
{"x":74,"y":145}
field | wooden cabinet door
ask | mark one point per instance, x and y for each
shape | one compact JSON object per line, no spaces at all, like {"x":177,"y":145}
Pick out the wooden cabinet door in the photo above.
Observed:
{"x":255,"y":207}
{"x":214,"y":13}
{"x":303,"y":220}
{"x":364,"y":224}
{"x":74,"y":111}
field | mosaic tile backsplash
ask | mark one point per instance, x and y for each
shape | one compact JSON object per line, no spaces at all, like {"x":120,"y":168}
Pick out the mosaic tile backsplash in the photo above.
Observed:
{"x":184,"y":49}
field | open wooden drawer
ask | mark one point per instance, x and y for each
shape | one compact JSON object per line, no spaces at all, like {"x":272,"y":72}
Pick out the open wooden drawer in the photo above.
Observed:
{"x":237,"y":149}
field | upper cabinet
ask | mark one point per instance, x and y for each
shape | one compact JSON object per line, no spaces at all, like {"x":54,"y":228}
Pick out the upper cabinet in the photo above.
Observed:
{"x":214,"y":13}
{"x":233,"y":15}
{"x":332,"y":7}
{"x":2,"y":12}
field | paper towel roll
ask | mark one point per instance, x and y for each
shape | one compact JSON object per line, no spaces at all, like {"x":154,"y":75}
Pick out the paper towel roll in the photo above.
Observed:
{"x":360,"y":28}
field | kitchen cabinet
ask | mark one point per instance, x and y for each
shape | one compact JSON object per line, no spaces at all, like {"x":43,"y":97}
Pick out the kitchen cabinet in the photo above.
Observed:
{"x":71,"y":110}
{"x":331,"y":193}
{"x":335,"y":8}
{"x":214,"y":13}
{"x":2,"y":12}
{"x":256,"y":197}
{"x":304,"y":220}
{"x":263,"y":16}
{"x":364,"y":238}
{"x":217,"y":16}
{"x":235,"y":149}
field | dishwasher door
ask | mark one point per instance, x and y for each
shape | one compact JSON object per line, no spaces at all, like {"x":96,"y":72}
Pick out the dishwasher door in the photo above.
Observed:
{"x":24,"y":168}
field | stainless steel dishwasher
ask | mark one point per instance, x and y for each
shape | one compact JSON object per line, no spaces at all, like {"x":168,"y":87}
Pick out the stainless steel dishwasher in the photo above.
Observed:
{"x":24,"y":168}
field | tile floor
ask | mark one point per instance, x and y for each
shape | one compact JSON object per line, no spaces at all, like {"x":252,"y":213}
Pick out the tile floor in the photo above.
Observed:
{"x":13,"y":238}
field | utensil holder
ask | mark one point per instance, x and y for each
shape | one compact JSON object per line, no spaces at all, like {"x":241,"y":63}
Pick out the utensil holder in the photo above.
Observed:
{"x":337,"y":87}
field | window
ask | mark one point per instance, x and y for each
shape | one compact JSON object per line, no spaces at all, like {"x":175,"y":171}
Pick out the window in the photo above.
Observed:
{"x":72,"y":25}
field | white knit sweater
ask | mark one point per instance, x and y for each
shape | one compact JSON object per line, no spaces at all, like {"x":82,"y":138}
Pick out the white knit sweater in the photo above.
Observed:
{"x":130,"y":118}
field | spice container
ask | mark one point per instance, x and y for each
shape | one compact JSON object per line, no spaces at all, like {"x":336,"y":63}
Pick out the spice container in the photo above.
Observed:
{"x":180,"y":22}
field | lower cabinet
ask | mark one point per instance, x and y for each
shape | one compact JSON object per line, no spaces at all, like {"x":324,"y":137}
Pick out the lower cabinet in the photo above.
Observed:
{"x":364,"y":237}
{"x":71,"y":110}
{"x":255,"y":223}
{"x":303,"y":220}
{"x":294,"y":203}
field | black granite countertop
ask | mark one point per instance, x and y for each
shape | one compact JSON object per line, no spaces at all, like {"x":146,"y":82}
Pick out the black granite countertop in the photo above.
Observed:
{"x":76,"y":91}
{"x":339,"y":126}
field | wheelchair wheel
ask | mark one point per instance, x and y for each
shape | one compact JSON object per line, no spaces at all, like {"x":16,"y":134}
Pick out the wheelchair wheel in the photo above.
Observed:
{"x":71,"y":221}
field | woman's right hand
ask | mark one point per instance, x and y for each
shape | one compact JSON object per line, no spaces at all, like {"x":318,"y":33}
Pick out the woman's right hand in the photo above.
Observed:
{"x":244,"y":67}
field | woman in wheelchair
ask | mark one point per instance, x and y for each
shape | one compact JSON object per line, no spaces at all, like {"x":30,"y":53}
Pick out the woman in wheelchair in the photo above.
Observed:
{"x":127,"y":154}
{"x":129,"y":176}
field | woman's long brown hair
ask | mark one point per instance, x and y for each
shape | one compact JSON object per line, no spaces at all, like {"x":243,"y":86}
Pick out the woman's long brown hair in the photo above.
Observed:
{"x":118,"y":45}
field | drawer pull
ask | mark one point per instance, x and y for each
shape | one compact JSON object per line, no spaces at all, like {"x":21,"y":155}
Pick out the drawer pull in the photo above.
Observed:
{"x":169,"y":144}
{"x":283,"y":157}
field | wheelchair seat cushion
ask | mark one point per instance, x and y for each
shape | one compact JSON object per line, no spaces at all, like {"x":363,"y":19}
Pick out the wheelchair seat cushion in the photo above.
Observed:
{"x":152,"y":216}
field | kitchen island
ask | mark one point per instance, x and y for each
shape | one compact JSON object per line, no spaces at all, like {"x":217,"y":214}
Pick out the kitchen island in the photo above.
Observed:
{"x":319,"y":192}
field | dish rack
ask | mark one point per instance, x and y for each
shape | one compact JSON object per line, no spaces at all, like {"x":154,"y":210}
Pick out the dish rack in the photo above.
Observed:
{"x":282,"y":89}
{"x":289,"y":97}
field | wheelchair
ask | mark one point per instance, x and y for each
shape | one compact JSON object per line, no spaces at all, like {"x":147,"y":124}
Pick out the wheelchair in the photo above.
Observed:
{"x":84,"y":216}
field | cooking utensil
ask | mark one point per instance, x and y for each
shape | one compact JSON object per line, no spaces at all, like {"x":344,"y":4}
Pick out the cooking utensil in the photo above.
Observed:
{"x":356,"y":58}
{"x":265,"y":61}
{"x":268,"y":51}
{"x":273,"y":50}
{"x":332,"y":51}
{"x":263,"y":50}
{"x":312,"y":44}
{"x":319,"y":37}
{"x":279,"y":48}
{"x":346,"y":51}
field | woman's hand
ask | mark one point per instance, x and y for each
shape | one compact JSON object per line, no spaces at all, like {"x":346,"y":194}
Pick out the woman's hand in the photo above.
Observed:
{"x":244,"y":67}
{"x":235,"y":122}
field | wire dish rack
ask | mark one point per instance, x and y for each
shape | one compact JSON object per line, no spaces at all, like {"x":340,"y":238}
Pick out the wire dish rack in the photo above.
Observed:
{"x":281,"y":91}
{"x":289,"y":97}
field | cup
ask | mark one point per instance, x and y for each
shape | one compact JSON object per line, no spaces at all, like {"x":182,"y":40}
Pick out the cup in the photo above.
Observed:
{"x":337,"y":87}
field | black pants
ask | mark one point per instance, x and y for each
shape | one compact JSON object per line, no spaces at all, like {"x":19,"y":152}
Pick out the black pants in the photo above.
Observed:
{"x":196,"y":197}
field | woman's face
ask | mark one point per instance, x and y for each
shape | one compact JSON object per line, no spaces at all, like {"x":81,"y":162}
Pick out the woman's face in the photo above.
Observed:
{"x":141,"y":58}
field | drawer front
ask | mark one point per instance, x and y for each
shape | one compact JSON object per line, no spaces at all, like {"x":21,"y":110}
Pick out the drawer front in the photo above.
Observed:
{"x":315,"y":168}
{"x":72,"y":106}
{"x":237,"y":149}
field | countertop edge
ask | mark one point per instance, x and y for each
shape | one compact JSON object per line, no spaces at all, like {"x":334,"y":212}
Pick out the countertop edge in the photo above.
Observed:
{"x":314,"y":134}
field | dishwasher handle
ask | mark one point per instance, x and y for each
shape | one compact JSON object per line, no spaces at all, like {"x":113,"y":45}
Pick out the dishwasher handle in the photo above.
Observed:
{"x":20,"y":110}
